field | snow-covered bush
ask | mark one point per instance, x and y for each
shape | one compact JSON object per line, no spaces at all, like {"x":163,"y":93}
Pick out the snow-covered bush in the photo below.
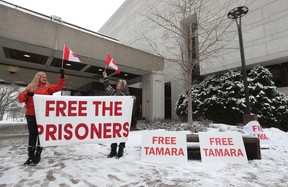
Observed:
{"x":267,"y":102}
{"x":222,"y":99}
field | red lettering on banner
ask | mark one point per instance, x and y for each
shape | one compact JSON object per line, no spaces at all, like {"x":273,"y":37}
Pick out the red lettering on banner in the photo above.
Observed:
{"x":174,"y":151}
{"x":261,"y":136}
{"x":82,"y":108}
{"x":97,"y":104}
{"x":86,"y":131}
{"x":60,"y":108}
{"x":40,"y":129}
{"x":72,"y":105}
{"x":126,"y":129}
{"x":223,"y":152}
{"x":96,"y":131}
{"x":117,"y":127}
{"x":83,"y":131}
{"x":221,"y":141}
{"x":118,"y":108}
{"x":68,"y":131}
{"x":113,"y":108}
{"x":107,"y":130}
{"x":60,"y":132}
{"x":66,"y":108}
{"x":48,"y":107}
{"x":257,"y":128}
{"x":164,"y":151}
{"x":79,"y":108}
{"x":51,"y":130}
{"x":108,"y":108}
{"x":164,"y":140}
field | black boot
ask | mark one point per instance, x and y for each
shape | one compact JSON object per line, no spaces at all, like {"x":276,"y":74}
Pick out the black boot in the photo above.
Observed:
{"x":37,"y":157}
{"x":113,"y":151}
{"x":120,"y":151}
{"x":31,"y":151}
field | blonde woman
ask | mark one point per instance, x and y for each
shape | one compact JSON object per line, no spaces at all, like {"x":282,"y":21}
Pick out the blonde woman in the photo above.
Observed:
{"x":39,"y":85}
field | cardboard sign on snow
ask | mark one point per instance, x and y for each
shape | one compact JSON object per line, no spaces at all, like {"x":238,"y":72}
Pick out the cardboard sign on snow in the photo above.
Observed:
{"x":254,"y":128}
{"x":225,"y":147}
{"x":161,"y":146}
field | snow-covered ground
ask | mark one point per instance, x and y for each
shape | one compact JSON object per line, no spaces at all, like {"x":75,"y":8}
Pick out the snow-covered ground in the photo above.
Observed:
{"x":87,"y":165}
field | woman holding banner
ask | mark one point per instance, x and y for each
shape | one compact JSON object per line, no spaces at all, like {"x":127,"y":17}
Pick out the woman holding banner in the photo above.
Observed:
{"x":121,"y":90}
{"x":39,"y":85}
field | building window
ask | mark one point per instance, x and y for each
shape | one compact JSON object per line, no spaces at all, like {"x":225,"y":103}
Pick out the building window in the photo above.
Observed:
{"x":280,"y":74}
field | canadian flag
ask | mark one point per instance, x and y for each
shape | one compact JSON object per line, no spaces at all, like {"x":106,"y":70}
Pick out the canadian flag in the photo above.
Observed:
{"x":111,"y":63}
{"x":69,"y":55}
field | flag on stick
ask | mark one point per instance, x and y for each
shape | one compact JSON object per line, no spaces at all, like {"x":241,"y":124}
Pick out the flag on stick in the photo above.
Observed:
{"x":69,"y":55}
{"x":111,"y":63}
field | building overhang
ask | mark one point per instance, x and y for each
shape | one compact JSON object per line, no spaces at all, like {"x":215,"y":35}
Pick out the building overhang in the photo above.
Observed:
{"x":33,"y":42}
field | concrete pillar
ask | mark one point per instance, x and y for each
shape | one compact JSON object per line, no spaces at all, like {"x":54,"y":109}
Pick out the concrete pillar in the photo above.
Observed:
{"x":177,"y":88}
{"x":153,"y":96}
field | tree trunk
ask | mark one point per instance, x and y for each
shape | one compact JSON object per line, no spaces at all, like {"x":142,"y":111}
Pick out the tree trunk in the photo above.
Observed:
{"x":190,"y":66}
{"x":189,"y":95}
{"x":1,"y":115}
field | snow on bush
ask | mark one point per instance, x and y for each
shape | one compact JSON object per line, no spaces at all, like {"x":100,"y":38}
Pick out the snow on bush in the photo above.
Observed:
{"x":221,"y":99}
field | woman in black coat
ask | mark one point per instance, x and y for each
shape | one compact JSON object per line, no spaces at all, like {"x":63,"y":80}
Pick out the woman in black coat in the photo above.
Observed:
{"x":121,"y":90}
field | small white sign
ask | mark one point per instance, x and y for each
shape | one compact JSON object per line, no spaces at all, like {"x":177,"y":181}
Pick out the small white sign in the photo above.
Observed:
{"x":162,"y":146}
{"x":225,"y":147}
{"x":254,"y":128}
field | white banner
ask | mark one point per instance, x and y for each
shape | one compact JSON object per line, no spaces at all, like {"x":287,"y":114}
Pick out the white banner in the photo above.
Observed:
{"x":163,"y":146}
{"x":254,"y":128}
{"x":222,"y":147}
{"x":64,"y":120}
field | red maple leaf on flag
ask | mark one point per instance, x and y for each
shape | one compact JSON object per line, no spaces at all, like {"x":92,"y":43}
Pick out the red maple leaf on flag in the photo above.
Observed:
{"x":69,"y":55}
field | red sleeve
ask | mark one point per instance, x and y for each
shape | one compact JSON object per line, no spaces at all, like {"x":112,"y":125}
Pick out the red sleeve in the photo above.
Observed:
{"x":22,"y":96}
{"x":52,"y":88}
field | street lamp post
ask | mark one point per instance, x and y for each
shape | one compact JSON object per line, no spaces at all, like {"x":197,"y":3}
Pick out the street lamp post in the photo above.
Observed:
{"x":236,"y":14}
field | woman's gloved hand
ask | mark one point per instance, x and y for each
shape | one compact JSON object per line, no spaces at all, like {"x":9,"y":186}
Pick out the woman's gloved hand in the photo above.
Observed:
{"x":62,"y":72}
{"x":30,"y":94}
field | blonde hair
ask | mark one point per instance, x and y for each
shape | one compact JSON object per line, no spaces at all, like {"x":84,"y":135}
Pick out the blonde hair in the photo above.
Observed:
{"x":35,"y":82}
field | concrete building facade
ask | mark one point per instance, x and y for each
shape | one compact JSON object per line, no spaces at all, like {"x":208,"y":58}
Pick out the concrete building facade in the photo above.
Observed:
{"x":264,"y":28}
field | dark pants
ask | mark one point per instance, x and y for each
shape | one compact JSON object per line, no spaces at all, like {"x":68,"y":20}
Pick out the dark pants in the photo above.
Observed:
{"x":33,"y":130}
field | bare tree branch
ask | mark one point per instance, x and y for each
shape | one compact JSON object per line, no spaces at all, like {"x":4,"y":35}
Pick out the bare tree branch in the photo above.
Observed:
{"x":196,"y":32}
{"x":8,"y":96}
